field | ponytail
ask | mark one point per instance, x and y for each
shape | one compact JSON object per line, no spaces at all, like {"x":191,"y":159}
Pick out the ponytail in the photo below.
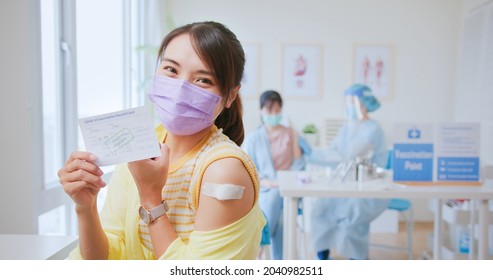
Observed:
{"x":231,"y":121}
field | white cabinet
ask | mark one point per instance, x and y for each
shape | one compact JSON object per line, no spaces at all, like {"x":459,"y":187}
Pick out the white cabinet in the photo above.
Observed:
{"x":458,"y":231}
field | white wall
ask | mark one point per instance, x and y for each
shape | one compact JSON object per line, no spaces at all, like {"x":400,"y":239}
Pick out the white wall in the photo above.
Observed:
{"x":472,"y":4}
{"x":19,"y":69}
{"x":425,"y":35}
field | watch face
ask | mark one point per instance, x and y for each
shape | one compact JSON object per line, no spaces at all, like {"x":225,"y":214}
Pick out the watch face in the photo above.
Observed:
{"x":144,"y":215}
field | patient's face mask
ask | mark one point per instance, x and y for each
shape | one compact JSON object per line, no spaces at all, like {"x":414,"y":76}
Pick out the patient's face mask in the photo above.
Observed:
{"x":183,"y":108}
{"x":272,"y":120}
{"x":271,"y":114}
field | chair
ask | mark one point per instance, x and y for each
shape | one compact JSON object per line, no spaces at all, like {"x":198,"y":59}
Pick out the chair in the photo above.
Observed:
{"x":264,"y":253}
{"x":405,"y":209}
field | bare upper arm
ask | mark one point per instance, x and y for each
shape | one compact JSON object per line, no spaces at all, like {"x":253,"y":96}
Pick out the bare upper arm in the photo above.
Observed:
{"x":213,"y":213}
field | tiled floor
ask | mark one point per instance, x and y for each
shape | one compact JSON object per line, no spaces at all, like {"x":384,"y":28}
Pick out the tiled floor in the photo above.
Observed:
{"x":421,"y":232}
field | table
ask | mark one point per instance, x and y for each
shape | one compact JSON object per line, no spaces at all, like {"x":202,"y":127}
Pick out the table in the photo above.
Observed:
{"x":292,"y":190}
{"x":35,"y":247}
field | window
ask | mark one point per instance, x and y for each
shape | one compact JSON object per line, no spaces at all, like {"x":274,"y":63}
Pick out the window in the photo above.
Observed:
{"x":100,"y":59}
{"x":86,"y":70}
{"x":52,"y":134}
{"x":474,"y":98}
{"x":53,"y":222}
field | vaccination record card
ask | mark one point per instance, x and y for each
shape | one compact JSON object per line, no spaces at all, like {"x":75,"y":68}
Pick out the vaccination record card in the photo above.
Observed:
{"x":119,"y":137}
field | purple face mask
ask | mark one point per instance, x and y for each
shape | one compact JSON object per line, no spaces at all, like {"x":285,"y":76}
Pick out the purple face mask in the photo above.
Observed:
{"x":183,"y":108}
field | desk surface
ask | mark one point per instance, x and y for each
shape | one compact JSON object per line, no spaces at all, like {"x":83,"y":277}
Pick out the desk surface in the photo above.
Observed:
{"x":290,"y":186}
{"x":35,"y":247}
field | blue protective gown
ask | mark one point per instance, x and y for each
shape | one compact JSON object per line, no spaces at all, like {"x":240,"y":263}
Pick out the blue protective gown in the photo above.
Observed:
{"x":343,"y":224}
{"x":257,"y":146}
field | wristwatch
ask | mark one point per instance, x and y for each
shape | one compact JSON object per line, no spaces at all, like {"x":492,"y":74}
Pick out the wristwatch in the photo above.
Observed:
{"x":149,"y":216}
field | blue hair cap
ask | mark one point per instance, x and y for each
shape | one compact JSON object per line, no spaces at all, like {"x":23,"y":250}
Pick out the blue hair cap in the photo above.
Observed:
{"x":371,"y":102}
{"x":357,"y":90}
{"x":364,"y":94}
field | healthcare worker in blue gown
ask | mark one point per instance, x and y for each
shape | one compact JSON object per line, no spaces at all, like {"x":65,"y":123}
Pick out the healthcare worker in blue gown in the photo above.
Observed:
{"x":343,"y":223}
{"x":274,"y":147}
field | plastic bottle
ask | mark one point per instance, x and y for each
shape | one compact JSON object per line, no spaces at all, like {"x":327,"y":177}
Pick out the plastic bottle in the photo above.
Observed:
{"x":464,"y":239}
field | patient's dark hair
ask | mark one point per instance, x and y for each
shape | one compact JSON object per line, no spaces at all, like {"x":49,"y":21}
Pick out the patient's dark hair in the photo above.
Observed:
{"x":269,"y":97}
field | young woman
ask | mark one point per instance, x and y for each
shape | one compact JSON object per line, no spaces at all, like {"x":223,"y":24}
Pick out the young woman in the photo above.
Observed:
{"x":199,"y":200}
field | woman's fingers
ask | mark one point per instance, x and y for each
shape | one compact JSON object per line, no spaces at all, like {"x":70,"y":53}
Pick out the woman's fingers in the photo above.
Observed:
{"x":81,"y":156}
{"x":84,"y":176}
{"x":164,"y":150}
{"x":72,"y":188}
{"x":80,"y":160}
{"x":164,"y":159}
{"x":81,"y":178}
{"x":80,"y":170}
{"x":85,"y":165}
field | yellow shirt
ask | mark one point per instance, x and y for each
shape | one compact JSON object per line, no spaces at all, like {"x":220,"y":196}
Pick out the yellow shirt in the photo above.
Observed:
{"x":128,"y":237}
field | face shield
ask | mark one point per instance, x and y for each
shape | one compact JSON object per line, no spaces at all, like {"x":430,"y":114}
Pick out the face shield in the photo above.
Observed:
{"x":354,"y":110}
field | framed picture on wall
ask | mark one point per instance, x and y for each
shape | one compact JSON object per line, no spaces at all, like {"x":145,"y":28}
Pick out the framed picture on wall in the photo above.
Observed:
{"x":373,"y":65}
{"x":251,"y":73}
{"x":301,"y":70}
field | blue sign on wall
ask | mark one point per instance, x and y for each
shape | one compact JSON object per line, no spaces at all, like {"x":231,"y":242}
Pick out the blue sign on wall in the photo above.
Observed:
{"x":413,"y":162}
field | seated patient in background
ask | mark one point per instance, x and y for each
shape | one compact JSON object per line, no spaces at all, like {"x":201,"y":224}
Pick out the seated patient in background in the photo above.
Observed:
{"x":274,"y":147}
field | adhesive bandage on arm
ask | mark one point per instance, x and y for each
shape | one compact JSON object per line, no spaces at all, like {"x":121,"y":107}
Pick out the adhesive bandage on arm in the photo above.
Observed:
{"x":222,"y":191}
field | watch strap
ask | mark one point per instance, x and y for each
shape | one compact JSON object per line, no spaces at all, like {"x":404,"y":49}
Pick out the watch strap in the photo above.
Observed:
{"x":158,"y":211}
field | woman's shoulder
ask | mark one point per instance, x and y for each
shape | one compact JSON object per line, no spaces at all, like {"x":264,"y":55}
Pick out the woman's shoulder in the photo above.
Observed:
{"x":282,"y":130}
{"x":222,"y":146}
{"x":221,"y":158}
{"x":288,"y":131}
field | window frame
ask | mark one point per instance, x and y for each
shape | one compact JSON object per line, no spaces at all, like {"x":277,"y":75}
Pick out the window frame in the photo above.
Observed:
{"x":51,"y":195}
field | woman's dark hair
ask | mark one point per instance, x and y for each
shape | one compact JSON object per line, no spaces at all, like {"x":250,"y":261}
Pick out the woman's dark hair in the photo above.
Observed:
{"x":269,"y":97}
{"x":221,"y":51}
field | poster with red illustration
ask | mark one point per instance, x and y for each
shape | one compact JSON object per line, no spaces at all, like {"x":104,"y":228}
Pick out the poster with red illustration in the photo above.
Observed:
{"x":373,"y":67}
{"x":302,"y":65}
